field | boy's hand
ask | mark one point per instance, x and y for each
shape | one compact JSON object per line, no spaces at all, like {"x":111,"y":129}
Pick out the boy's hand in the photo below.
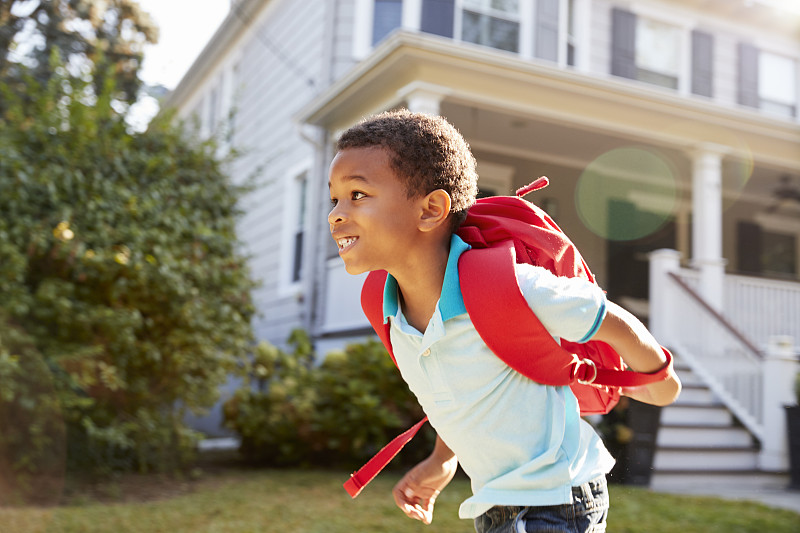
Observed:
{"x":416,"y":493}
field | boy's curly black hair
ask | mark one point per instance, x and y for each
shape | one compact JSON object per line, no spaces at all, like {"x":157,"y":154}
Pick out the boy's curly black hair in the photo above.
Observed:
{"x":426,"y":151}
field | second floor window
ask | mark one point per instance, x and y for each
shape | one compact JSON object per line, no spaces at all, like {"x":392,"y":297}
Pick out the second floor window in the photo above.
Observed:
{"x":657,"y":54}
{"x":492,"y":23}
{"x":777,"y":84}
{"x":768,"y":81}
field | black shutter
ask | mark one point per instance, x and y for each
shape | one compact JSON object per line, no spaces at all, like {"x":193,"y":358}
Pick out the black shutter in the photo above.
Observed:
{"x":702,"y":63}
{"x":749,"y":247}
{"x":623,"y":43}
{"x":748,"y":75}
{"x":547,"y":29}
{"x":437,"y":17}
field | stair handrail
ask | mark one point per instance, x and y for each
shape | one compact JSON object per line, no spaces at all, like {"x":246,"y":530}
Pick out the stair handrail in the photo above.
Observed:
{"x":733,"y":330}
{"x":748,"y":416}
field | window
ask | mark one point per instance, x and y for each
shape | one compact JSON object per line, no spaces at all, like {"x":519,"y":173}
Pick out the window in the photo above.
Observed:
{"x":657,"y":54}
{"x":235,"y":79}
{"x":766,"y":251}
{"x":213,"y":110}
{"x":492,"y":23}
{"x":665,"y":53}
{"x":777,"y":84}
{"x":779,"y":254}
{"x":767,"y":81}
{"x":301,"y":188}
{"x":388,"y":15}
{"x":572,"y":32}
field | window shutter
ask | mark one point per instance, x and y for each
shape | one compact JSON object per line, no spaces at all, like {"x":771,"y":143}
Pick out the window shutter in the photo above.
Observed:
{"x":623,"y":43}
{"x":547,"y":29}
{"x":702,"y":63}
{"x":748,"y":75}
{"x":437,"y":17}
{"x":387,"y":16}
{"x":749,"y":247}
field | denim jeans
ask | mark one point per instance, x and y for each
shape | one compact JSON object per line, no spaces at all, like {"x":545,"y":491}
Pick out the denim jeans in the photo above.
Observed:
{"x":586,"y":514}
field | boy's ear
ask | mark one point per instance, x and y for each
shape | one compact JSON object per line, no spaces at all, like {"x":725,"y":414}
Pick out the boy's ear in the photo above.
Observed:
{"x":435,"y":209}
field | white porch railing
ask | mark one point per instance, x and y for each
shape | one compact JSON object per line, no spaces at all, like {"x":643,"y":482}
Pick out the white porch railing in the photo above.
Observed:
{"x":763,"y":308}
{"x":745,"y":353}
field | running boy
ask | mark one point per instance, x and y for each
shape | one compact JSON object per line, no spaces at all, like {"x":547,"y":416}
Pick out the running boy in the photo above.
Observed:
{"x":400,"y":185}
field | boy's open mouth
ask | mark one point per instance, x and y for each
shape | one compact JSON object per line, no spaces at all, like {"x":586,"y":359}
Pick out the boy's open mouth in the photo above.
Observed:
{"x":345,"y":243}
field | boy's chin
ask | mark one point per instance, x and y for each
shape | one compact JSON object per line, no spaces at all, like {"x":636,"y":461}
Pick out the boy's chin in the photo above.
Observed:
{"x":354,"y":270}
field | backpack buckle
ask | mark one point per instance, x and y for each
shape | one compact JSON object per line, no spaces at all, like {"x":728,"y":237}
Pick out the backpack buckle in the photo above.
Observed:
{"x":588,"y":362}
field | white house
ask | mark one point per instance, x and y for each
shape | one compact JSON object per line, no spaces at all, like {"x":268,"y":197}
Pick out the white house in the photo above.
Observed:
{"x":666,"y":125}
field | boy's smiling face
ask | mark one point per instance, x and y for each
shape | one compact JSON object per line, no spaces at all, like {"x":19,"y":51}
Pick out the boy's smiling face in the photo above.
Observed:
{"x":373,"y":221}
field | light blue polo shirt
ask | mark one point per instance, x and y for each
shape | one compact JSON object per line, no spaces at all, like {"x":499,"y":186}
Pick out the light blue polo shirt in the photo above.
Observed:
{"x":521,"y":443}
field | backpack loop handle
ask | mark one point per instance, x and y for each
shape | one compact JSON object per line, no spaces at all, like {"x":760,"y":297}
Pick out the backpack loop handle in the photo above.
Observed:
{"x":587,"y":362}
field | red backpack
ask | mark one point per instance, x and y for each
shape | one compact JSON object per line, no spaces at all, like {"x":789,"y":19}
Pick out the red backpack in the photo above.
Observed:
{"x":502,"y":231}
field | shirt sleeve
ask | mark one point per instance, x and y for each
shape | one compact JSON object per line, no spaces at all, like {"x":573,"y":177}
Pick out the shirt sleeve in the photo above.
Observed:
{"x":569,"y":308}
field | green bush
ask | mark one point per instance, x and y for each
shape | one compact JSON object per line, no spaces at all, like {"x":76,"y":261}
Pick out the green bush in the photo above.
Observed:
{"x":272,"y":411}
{"x":340,"y":412}
{"x":118,"y":263}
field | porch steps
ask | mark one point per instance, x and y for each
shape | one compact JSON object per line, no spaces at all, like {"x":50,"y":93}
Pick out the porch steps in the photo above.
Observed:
{"x":700,"y":443}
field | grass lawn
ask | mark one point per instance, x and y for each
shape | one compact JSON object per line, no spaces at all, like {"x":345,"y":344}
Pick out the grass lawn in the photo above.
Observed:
{"x":242,"y":501}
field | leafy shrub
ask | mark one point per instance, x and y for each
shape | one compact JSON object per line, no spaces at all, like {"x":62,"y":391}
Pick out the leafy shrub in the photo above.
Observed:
{"x":118,"y":262}
{"x":272,"y":411}
{"x":341,"y":412}
{"x":362,"y":403}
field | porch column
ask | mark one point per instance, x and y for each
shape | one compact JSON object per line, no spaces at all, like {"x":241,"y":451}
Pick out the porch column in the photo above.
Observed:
{"x":707,"y":222}
{"x":662,"y":293}
{"x":422,"y":97}
{"x":779,"y":370}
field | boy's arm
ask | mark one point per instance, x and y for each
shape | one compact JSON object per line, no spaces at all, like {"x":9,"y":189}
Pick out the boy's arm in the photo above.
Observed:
{"x":416,"y":492}
{"x":641,"y":352}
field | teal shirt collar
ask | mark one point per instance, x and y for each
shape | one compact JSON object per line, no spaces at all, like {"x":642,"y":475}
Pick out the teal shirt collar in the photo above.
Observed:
{"x":451,"y":303}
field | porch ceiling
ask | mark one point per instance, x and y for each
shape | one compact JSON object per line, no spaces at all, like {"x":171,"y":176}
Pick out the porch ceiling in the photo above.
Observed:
{"x":583,"y":113}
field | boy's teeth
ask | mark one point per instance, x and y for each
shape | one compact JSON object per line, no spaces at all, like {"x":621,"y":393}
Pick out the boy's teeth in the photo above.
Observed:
{"x":344,"y":243}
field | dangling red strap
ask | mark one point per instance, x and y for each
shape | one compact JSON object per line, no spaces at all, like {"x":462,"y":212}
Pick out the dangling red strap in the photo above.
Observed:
{"x":359,"y":479}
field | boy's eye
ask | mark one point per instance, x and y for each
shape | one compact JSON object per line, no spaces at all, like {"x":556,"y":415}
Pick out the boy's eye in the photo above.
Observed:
{"x":334,"y":201}
{"x":357,"y":195}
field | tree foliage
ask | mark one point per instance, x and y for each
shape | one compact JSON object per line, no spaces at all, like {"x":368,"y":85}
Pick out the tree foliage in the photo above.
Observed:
{"x":119,"y":270}
{"x":104,"y":38}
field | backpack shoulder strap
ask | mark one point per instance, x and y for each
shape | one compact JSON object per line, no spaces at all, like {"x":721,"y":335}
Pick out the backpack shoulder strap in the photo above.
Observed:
{"x":372,"y":305}
{"x":492,"y":311}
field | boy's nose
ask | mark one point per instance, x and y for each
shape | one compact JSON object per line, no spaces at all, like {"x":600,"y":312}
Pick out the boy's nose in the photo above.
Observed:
{"x":335,"y":216}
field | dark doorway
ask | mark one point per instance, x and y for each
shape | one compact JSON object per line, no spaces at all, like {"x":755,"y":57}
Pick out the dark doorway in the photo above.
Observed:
{"x":628,"y":265}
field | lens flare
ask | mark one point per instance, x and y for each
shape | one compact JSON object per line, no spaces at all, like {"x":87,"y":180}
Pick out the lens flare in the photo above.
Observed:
{"x":627,"y":193}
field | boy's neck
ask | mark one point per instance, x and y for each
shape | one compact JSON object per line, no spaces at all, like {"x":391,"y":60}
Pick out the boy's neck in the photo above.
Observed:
{"x":421,"y":286}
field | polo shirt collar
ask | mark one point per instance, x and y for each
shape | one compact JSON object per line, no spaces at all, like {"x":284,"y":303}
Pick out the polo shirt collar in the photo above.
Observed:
{"x":451,"y":302}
